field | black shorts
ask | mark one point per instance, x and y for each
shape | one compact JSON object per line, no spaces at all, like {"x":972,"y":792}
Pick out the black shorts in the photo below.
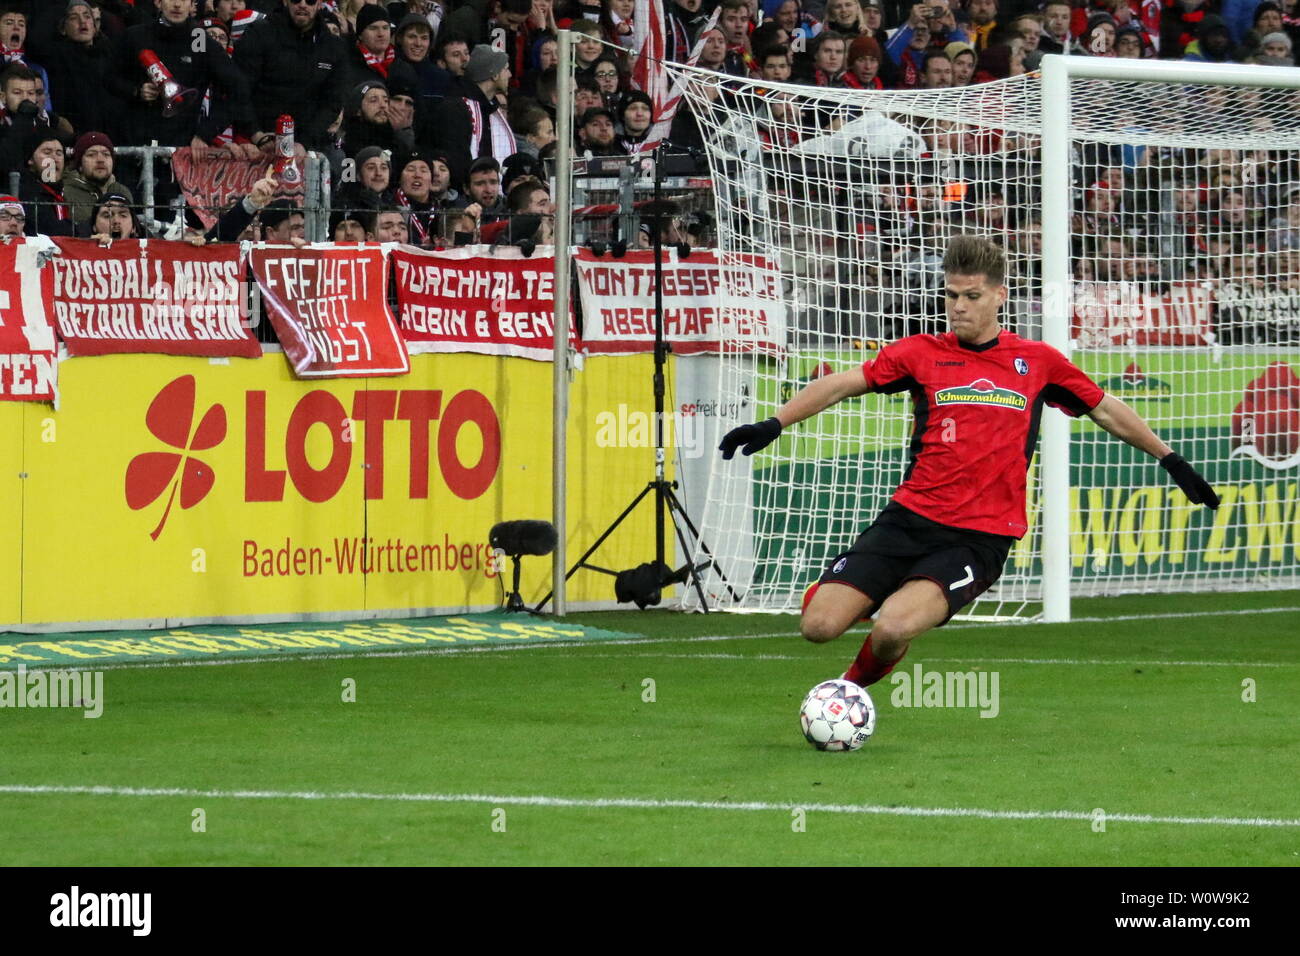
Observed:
{"x":903,"y":546}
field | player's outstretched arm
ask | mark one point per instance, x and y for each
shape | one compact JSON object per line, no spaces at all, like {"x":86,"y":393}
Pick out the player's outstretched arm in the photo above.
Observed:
{"x":813,"y":398}
{"x":1124,"y":423}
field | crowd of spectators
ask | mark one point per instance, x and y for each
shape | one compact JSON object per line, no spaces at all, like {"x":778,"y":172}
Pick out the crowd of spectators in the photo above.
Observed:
{"x":437,"y":117}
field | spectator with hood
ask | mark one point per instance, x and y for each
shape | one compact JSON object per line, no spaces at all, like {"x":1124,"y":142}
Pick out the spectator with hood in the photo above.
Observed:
{"x":150,"y":115}
{"x":1213,"y":43}
{"x":295,"y":66}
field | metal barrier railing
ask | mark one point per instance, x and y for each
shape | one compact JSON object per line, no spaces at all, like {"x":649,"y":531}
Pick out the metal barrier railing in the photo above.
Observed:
{"x":316,"y":195}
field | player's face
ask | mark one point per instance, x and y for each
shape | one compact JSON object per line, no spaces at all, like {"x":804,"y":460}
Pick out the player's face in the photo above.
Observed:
{"x":973,"y":304}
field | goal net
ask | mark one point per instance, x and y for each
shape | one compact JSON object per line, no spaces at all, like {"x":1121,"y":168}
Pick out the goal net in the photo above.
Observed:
{"x":1182,"y":224}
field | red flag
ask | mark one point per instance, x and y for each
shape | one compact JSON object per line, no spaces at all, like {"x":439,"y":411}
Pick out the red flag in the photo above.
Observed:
{"x":649,"y":74}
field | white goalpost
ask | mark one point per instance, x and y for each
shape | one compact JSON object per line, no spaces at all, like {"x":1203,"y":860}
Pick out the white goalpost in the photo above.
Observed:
{"x":1148,"y":218}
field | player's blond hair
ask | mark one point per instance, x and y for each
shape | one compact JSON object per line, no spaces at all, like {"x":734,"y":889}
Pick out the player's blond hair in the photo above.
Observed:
{"x":975,"y":256}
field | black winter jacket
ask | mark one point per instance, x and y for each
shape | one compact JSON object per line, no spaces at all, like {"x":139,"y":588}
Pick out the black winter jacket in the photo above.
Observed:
{"x":302,"y":74}
{"x":195,"y":62}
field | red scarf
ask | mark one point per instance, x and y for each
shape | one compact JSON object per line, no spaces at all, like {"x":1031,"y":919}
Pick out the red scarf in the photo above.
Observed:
{"x":421,"y":228}
{"x":15,"y":56}
{"x":60,"y":206}
{"x":379,"y":64}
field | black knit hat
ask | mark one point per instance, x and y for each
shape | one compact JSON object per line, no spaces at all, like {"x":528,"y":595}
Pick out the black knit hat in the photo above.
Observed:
{"x":372,"y":13}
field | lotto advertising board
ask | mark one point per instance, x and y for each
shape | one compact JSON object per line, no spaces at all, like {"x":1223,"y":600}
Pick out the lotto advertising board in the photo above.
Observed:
{"x":176,"y":490}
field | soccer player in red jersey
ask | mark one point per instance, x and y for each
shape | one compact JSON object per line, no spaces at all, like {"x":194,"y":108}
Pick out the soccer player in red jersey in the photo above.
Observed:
{"x":977,"y":393}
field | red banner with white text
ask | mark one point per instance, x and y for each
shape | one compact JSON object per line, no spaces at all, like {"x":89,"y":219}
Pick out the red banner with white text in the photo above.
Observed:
{"x":151,"y":296}
{"x":329,"y":307}
{"x":459,"y":301}
{"x":28,"y":350}
{"x":710,"y":300}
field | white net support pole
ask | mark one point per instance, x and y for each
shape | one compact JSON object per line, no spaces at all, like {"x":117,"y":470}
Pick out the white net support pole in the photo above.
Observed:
{"x":560,"y":359}
{"x":1057,"y":312}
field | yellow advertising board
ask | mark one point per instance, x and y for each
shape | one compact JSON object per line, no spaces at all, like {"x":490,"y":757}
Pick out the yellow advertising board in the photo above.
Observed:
{"x":179,"y":489}
{"x":11,"y":506}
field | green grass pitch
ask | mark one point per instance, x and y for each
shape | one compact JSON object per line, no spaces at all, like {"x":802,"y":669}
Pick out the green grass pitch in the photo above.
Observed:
{"x":552,"y":754}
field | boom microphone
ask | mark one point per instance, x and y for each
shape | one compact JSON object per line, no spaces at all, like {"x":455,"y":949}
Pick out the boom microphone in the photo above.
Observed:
{"x":523,"y":537}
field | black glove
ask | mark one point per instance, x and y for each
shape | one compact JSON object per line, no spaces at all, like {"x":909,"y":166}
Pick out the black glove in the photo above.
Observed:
{"x":1196,"y":488}
{"x":753,"y":437}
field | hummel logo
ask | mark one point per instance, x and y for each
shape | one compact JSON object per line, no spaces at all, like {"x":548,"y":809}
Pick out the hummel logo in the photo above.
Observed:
{"x":970,"y":576}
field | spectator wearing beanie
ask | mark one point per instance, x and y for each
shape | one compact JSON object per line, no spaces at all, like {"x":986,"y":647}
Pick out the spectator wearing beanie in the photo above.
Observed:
{"x":41,"y":186}
{"x":963,"y":59}
{"x":1099,"y":38}
{"x":369,"y":183}
{"x":76,"y":61}
{"x":473,"y":124}
{"x":89,"y":177}
{"x":414,"y":195}
{"x":1268,"y":19}
{"x":636,"y":114}
{"x":373,"y":54}
{"x":1275,"y":50}
{"x":864,"y":64}
{"x":295,"y":66}
{"x":170,"y":37}
{"x":112,"y":218}
{"x":366,"y":121}
{"x":12,"y":217}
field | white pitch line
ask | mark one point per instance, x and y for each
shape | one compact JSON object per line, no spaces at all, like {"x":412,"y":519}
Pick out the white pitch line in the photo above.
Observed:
{"x":638,"y":803}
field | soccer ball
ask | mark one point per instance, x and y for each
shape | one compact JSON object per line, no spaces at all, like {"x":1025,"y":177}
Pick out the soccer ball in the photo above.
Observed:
{"x":837,"y":715}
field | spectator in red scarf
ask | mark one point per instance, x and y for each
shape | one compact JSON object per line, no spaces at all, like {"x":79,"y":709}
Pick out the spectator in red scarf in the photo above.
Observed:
{"x":864,"y":64}
{"x":13,"y":45}
{"x":374,"y":57}
{"x":735,"y":25}
{"x":41,"y":186}
{"x":829,"y":54}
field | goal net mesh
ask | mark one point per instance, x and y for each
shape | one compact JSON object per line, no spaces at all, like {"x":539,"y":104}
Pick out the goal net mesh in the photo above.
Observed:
{"x":1185,"y":248}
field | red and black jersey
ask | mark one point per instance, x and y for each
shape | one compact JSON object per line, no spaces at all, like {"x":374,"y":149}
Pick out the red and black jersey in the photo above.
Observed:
{"x":976,"y":427}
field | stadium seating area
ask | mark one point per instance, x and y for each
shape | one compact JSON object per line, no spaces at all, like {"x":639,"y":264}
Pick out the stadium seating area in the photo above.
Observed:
{"x":436,"y":119}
